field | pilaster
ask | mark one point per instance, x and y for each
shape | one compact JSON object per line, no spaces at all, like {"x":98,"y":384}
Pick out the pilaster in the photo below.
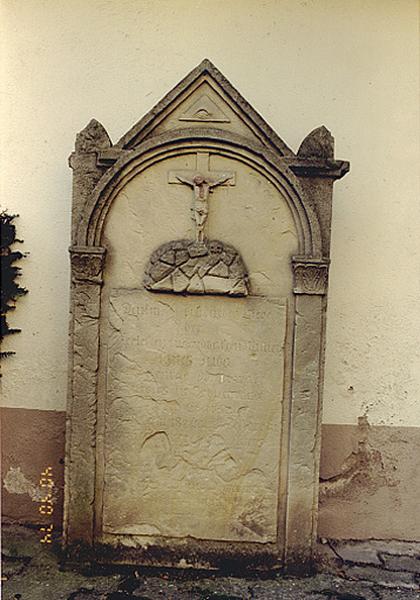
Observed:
{"x":310,"y":288}
{"x":87,"y":264}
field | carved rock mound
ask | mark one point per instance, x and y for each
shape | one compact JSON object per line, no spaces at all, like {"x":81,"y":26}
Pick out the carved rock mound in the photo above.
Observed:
{"x":190,"y":267}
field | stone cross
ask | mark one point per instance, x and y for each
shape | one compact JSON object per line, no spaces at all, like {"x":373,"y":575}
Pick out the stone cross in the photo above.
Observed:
{"x":202,"y":181}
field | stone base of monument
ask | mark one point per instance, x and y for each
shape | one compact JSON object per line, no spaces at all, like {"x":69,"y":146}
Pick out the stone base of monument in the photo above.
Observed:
{"x":35,"y":571}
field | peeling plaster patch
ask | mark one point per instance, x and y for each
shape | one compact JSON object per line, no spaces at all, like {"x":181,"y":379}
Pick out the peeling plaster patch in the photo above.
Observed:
{"x":365,"y":467}
{"x":16,"y":482}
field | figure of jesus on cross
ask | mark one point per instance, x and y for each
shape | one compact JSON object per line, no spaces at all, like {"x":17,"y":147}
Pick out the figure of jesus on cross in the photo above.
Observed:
{"x":202,"y":181}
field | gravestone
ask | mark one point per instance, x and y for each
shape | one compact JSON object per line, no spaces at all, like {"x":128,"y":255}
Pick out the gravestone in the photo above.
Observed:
{"x":199,"y":261}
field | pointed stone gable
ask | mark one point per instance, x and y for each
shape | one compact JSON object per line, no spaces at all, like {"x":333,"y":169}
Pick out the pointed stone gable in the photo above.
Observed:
{"x":205,"y":89}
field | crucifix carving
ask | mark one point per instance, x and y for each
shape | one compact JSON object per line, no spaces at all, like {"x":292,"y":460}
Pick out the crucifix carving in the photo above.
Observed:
{"x":202,"y":181}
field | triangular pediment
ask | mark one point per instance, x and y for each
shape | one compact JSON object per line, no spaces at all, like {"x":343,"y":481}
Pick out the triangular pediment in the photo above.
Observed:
{"x":204,"y":110}
{"x":206,"y":97}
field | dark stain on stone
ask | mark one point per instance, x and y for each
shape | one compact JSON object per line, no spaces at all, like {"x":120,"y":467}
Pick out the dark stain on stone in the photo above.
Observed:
{"x":202,"y":555}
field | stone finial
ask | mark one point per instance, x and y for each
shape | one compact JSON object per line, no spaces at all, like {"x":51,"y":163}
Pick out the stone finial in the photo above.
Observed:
{"x":317,"y":144}
{"x":93,"y":137}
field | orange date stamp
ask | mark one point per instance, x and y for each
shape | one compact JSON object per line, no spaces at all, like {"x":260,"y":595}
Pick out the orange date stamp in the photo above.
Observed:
{"x":46,"y":507}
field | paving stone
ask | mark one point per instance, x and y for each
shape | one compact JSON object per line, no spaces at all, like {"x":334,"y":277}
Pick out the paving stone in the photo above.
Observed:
{"x":359,"y":552}
{"x":381,"y":576}
{"x":395,"y":547}
{"x":400,"y":563}
{"x":396,"y":594}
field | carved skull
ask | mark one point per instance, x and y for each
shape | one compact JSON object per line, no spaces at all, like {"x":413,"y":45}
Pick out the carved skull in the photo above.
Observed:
{"x":216,"y":247}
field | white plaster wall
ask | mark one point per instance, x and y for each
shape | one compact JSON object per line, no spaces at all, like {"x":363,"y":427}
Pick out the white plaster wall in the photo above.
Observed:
{"x":352,"y":66}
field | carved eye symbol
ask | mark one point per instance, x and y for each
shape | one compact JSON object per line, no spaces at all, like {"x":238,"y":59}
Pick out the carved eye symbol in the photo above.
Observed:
{"x":202,"y":113}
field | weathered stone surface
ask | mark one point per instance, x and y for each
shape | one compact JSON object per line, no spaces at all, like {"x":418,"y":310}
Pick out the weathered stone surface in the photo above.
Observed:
{"x":381,"y":576}
{"x":394,"y":562}
{"x":83,"y":408}
{"x":158,"y":270}
{"x":86,"y":172}
{"x":380,"y":556}
{"x":92,"y":138}
{"x":204,"y":109}
{"x":310,"y":276}
{"x":194,"y":401}
{"x":319,"y":143}
{"x":189,"y":267}
{"x":193,"y":417}
{"x":87,"y":264}
{"x":357,"y":552}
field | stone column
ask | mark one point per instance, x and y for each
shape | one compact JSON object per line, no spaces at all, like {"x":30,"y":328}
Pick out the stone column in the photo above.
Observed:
{"x":310,"y":287}
{"x":87,"y":265}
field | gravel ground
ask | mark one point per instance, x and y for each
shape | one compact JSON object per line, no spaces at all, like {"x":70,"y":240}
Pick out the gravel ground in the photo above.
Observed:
{"x":32,"y":571}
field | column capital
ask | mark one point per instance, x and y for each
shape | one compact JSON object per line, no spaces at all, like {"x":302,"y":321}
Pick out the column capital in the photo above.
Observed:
{"x":310,"y":275}
{"x":87,"y":263}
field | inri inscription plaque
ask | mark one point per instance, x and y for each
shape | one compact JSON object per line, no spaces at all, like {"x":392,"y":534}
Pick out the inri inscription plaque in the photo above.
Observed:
{"x":195,"y":399}
{"x":199,"y":263}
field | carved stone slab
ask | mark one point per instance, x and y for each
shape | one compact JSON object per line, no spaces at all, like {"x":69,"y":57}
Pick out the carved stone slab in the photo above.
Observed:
{"x":193,"y":429}
{"x":194,"y":407}
{"x":191,"y":267}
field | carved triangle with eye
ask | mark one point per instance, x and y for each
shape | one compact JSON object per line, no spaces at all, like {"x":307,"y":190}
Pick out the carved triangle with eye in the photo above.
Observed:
{"x":206,"y":110}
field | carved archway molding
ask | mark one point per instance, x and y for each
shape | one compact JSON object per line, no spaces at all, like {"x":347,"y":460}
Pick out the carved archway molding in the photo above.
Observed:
{"x":100,"y":172}
{"x":263,"y":160}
